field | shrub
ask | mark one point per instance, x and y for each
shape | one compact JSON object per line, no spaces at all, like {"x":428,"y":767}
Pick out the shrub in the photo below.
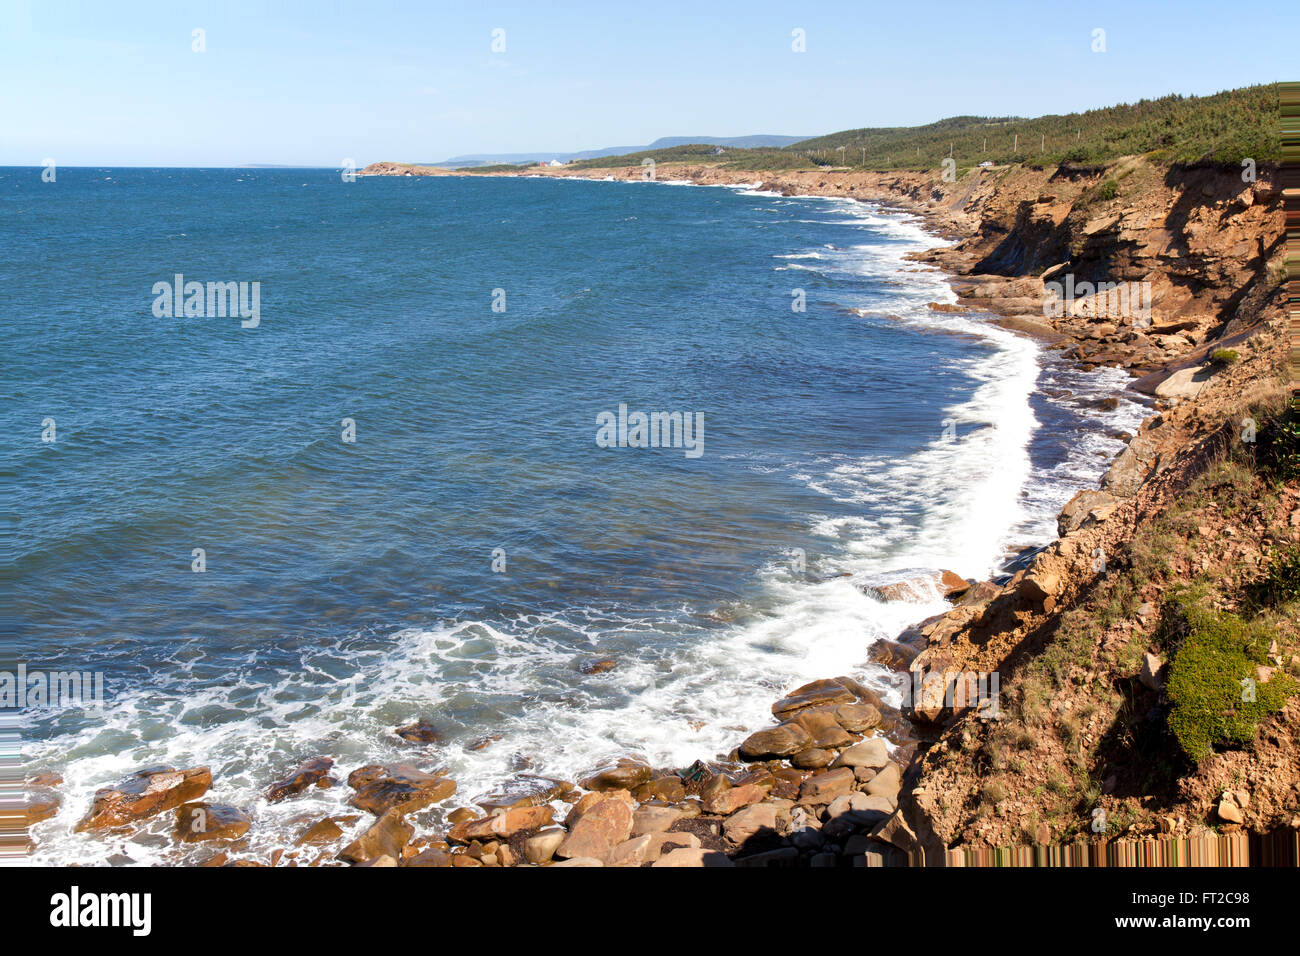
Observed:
{"x":1279,"y":444}
{"x":1213,"y":683}
{"x":1224,"y":356}
{"x":1280,"y":583}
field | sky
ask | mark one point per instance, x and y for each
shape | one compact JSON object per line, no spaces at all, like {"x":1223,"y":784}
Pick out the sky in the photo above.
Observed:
{"x":298,"y":83}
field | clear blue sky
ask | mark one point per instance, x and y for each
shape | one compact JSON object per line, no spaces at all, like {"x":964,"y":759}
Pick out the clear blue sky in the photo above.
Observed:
{"x":312,"y":83}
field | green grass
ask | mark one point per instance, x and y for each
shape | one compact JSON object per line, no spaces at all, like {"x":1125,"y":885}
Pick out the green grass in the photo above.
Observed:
{"x":1224,"y":356}
{"x":1213,"y":677}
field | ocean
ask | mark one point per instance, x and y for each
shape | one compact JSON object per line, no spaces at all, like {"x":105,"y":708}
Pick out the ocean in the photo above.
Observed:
{"x":385,"y":494}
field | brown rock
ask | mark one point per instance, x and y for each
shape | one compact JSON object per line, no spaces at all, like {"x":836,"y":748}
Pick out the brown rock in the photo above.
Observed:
{"x":309,"y":773}
{"x":729,"y":801}
{"x":693,"y":857}
{"x":503,"y":824}
{"x":819,"y":693}
{"x":387,"y":836}
{"x":654,"y":819}
{"x":812,"y":759}
{"x":598,"y":666}
{"x":197,"y":822}
{"x":420,"y":732}
{"x":822,"y":788}
{"x":634,"y":852}
{"x":41,"y":804}
{"x":626,"y":774}
{"x":144,"y":794}
{"x":857,"y":718}
{"x":872,"y":752}
{"x":430,"y":857}
{"x":1229,"y":812}
{"x":780,"y":741}
{"x":322,"y":831}
{"x":398,"y":786}
{"x":667,"y":789}
{"x":824,"y":729}
{"x":1084,"y":509}
{"x":600,"y":829}
{"x":742,"y":826}
{"x":1152,"y":675}
{"x":542,"y":846}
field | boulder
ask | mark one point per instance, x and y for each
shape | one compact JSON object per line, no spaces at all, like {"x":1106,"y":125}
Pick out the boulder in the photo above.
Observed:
{"x":387,"y":836}
{"x":524,"y":790}
{"x":502,"y":825}
{"x":892,"y":654}
{"x":886,"y":783}
{"x":692,"y":857}
{"x":198,"y":822}
{"x":598,"y":665}
{"x":727,"y":802}
{"x":1131,"y":468}
{"x":41,"y":804}
{"x":1152,"y":675}
{"x":542,"y":846}
{"x":1229,"y":812}
{"x":822,"y":788}
{"x":782,"y":740}
{"x":742,"y":826}
{"x":668,"y":789}
{"x":1086,"y":508}
{"x":322,"y":831}
{"x":857,"y":718}
{"x":823,"y":728}
{"x":921,"y":586}
{"x":1184,"y":384}
{"x":812,"y":759}
{"x":819,"y":693}
{"x":580,"y":861}
{"x":600,"y":829}
{"x":625,"y":774}
{"x":430,"y":857}
{"x":144,"y":794}
{"x":420,"y":732}
{"x":654,"y":819}
{"x":398,"y":786}
{"x":872,"y":753}
{"x":635,"y":851}
{"x":309,"y":773}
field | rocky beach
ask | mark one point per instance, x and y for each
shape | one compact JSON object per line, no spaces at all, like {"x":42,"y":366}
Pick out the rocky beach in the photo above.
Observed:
{"x":1027,"y":706}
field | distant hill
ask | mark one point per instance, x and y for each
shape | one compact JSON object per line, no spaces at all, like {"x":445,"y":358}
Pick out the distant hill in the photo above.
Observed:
{"x":760,"y":141}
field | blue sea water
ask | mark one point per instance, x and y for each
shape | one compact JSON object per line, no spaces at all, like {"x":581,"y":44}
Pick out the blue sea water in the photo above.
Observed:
{"x":475,"y":547}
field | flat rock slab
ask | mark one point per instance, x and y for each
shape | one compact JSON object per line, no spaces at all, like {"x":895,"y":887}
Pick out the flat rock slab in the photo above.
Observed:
{"x":144,"y":794}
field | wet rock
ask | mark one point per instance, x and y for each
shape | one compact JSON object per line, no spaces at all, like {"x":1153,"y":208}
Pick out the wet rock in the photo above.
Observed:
{"x":198,"y":822}
{"x":420,"y":732}
{"x":667,"y":789}
{"x":601,"y":828}
{"x":892,"y":654}
{"x":813,"y":759}
{"x":398,"y":786}
{"x":1086,"y":508}
{"x":749,"y":822}
{"x":321,"y":832}
{"x":144,"y":794}
{"x":857,"y":718}
{"x":819,"y":693}
{"x":626,"y":774}
{"x":824,"y":729}
{"x":780,"y":741}
{"x":542,"y":846}
{"x":308,"y":773}
{"x":387,"y":836}
{"x":41,"y":803}
{"x":503,"y":824}
{"x":524,"y":790}
{"x":873,"y":753}
{"x":822,"y":788}
{"x":597,"y":665}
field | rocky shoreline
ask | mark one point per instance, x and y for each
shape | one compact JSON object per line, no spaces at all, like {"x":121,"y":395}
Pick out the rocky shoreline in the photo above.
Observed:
{"x":842,"y":778}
